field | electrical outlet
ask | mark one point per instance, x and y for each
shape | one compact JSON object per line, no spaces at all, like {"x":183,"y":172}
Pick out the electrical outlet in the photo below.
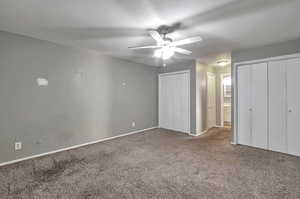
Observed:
{"x":133,"y":124}
{"x":18,"y":146}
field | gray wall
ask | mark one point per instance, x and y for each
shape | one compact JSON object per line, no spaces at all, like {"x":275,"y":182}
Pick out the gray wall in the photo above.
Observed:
{"x":273,"y":50}
{"x":85,"y":100}
{"x":189,"y":65}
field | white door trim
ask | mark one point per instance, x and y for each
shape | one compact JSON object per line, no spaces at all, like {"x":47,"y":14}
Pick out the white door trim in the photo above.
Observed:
{"x":189,"y":94}
{"x":234,"y":82}
{"x":174,"y":73}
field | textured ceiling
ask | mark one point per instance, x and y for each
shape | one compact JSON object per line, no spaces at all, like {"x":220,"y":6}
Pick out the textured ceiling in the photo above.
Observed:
{"x":110,"y":26}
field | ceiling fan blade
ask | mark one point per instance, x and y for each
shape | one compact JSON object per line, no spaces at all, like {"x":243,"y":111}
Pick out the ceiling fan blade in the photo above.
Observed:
{"x":156,"y":36}
{"x":187,"y":41}
{"x":144,"y":47}
{"x":182,"y":51}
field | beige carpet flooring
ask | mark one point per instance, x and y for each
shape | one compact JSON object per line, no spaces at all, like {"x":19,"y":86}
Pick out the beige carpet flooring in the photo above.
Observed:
{"x":156,"y":164}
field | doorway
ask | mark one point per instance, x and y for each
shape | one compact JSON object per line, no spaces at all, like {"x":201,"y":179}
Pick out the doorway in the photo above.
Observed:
{"x":211,"y":100}
{"x":226,"y":100}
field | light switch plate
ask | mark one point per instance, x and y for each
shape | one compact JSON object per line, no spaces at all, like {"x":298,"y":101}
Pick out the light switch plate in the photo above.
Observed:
{"x":42,"y":81}
{"x":18,"y":146}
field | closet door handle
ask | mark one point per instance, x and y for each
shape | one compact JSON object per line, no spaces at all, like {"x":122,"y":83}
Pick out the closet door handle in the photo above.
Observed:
{"x":290,"y":110}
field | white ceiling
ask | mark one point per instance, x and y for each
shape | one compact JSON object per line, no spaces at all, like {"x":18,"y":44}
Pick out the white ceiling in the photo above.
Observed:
{"x":110,"y":26}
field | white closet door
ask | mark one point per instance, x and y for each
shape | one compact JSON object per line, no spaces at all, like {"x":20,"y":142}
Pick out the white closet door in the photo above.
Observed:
{"x":182,"y":107}
{"x":259,"y":99}
{"x":163,"y":103}
{"x":277,"y":106}
{"x":244,"y":105}
{"x":293,"y":98}
{"x":170,"y":101}
{"x":211,"y":100}
{"x":174,"y":101}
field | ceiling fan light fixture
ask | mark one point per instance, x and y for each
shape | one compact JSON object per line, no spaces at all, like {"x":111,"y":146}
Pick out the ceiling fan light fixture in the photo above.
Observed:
{"x":158,"y":53}
{"x":167,"y":53}
{"x":165,"y":46}
{"x":164,"y":53}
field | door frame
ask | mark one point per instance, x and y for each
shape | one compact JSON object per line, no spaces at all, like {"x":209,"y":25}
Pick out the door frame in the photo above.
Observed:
{"x":222,"y":97}
{"x":235,"y":90}
{"x":189,"y":95}
{"x":212,"y":74}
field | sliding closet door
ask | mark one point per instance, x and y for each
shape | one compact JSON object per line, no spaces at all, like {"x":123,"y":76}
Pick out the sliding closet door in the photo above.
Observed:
{"x":259,"y":100}
{"x":244,"y":105}
{"x":277,"y":106}
{"x":293,"y":98}
{"x":174,"y":101}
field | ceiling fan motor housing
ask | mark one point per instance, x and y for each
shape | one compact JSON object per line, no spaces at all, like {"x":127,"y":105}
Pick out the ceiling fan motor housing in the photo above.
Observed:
{"x":167,"y":40}
{"x":164,"y":30}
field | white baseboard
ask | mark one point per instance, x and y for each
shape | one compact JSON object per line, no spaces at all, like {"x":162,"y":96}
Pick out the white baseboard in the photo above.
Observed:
{"x":186,"y":132}
{"x":218,"y":126}
{"x":198,"y":134}
{"x":75,"y":146}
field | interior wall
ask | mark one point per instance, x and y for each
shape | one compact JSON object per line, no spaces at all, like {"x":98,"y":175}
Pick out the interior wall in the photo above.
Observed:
{"x":202,"y":70}
{"x":191,"y":66}
{"x":89,"y":96}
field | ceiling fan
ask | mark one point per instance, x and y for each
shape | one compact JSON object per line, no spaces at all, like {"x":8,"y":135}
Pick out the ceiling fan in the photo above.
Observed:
{"x":165,"y":46}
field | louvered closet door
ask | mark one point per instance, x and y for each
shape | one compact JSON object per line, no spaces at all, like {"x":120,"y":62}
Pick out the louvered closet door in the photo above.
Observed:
{"x":277,"y":106}
{"x":293,"y":106}
{"x":259,"y":105}
{"x":244,"y":105}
